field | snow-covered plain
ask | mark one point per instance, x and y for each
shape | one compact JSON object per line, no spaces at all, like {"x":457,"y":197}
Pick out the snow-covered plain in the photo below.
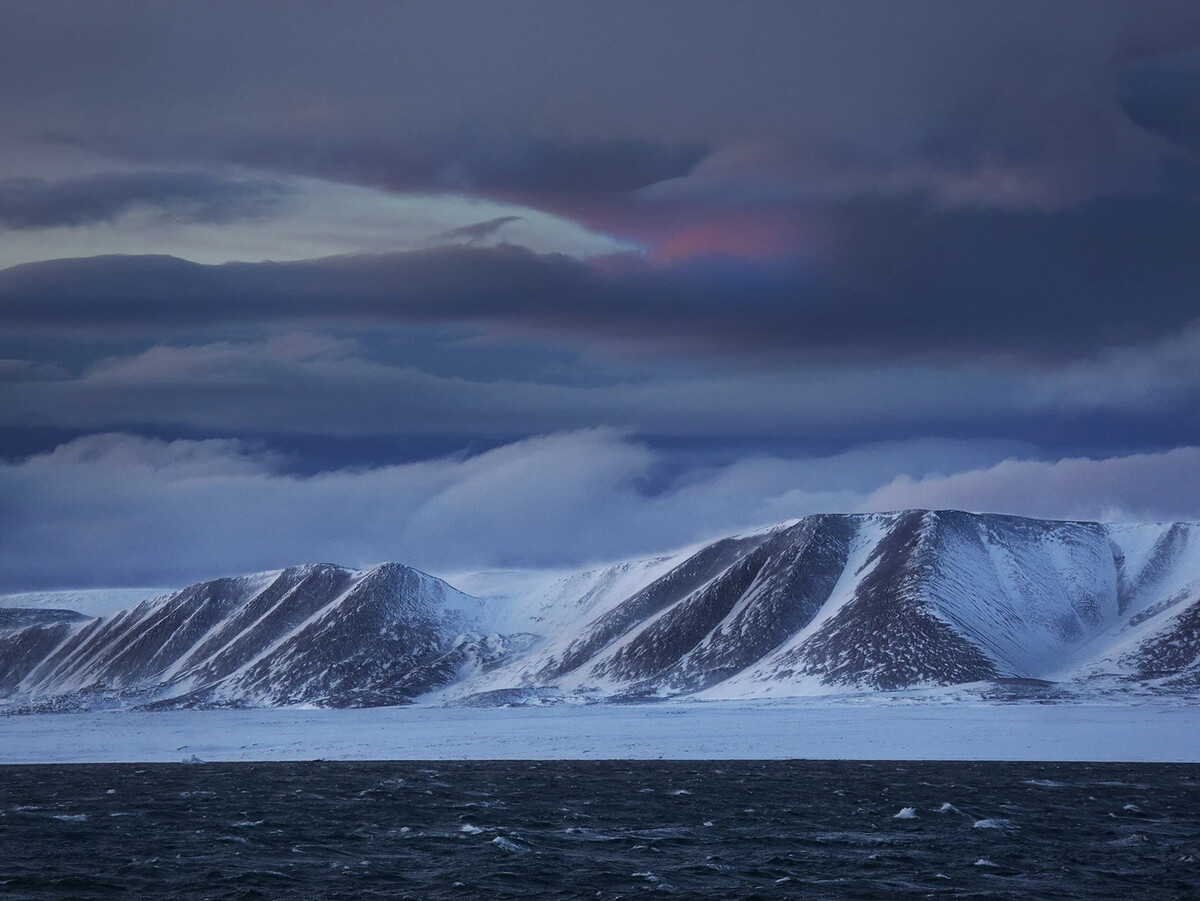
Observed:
{"x":88,"y":601}
{"x":688,"y":730}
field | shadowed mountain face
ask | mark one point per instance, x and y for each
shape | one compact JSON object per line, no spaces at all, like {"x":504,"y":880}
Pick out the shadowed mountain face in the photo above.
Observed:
{"x":666,"y":592}
{"x":740,"y":615}
{"x":831,"y":602}
{"x":890,"y":601}
{"x":310,"y":634}
{"x":27,"y":636}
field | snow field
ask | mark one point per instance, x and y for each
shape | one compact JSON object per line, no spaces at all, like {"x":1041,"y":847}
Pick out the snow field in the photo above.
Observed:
{"x":691,"y":730}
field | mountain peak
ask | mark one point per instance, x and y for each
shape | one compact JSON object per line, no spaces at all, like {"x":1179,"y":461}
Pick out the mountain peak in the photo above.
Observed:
{"x":827,"y":602}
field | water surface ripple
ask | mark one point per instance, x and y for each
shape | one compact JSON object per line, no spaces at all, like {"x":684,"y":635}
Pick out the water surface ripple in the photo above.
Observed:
{"x":607,"y":830}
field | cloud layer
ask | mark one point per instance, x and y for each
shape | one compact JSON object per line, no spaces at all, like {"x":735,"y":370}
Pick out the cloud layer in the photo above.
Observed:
{"x":33,"y":203}
{"x":114,"y":508}
{"x":904,"y":280}
{"x":469,"y":284}
{"x":588,"y":99}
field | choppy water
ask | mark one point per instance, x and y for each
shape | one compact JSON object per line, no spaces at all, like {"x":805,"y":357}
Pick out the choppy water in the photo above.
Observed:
{"x":814,"y":830}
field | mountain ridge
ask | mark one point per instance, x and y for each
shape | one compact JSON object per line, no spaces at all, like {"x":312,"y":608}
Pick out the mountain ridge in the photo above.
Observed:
{"x":826,"y":603}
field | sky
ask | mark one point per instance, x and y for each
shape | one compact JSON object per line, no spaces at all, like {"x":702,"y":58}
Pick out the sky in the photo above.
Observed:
{"x":472,"y":285}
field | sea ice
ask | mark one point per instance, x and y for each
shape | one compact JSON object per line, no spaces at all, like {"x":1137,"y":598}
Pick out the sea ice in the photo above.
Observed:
{"x":714,"y":730}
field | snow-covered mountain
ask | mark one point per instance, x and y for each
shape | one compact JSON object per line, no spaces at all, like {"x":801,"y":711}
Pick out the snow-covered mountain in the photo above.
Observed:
{"x":309,"y":634}
{"x":828,"y":603}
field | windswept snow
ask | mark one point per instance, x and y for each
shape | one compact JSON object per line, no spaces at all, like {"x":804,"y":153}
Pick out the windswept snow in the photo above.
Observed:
{"x":90,"y":601}
{"x":797,"y":729}
{"x":828,"y":604}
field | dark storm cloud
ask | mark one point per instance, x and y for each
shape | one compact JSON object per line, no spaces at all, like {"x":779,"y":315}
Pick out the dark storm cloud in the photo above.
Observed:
{"x":28,"y":203}
{"x":1163,"y":96}
{"x":451,"y":283}
{"x":475,"y":232}
{"x":488,"y":166}
{"x":305,"y":385}
{"x":584,"y":100}
{"x":950,"y":225}
{"x":901,"y":279}
{"x":1107,"y":272}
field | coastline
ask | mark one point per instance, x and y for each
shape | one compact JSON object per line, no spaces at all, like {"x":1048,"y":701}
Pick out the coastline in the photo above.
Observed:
{"x":685,"y":730}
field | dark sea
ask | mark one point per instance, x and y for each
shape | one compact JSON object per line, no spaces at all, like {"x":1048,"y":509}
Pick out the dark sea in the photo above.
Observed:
{"x":799,"y":829}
